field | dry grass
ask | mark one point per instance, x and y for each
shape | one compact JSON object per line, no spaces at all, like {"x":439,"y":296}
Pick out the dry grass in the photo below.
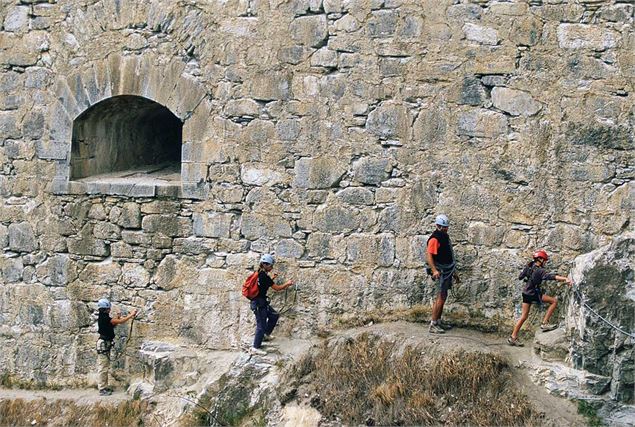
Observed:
{"x":67,"y":413}
{"x":421,"y":314}
{"x":373,"y":382}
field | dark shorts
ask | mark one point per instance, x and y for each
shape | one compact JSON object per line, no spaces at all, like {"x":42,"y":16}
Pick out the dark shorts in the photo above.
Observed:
{"x":444,"y":285}
{"x":531,"y":299}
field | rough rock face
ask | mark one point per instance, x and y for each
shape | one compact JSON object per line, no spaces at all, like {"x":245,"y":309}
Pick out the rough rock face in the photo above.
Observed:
{"x":329,"y":131}
{"x":605,"y":280}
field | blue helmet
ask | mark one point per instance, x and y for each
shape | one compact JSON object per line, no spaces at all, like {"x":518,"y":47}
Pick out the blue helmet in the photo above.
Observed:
{"x":442,"y":220}
{"x":103,"y":303}
{"x":267,"y":259}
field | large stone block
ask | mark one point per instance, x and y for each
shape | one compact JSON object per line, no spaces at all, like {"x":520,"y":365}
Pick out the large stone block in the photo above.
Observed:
{"x":9,"y":126}
{"x":371,"y":171}
{"x":174,"y":272}
{"x":212,"y":224}
{"x":270,"y":86}
{"x":288,"y":248}
{"x":134,"y":275}
{"x":242,"y":108}
{"x":356,"y":196}
{"x":584,"y":36}
{"x":168,"y":225}
{"x":472,"y":92}
{"x":336,"y":219}
{"x":260,"y":174}
{"x":22,"y":238}
{"x":59,"y":270}
{"x":101,"y":273}
{"x":480,"y":34}
{"x":515,"y":102}
{"x":309,"y":30}
{"x":4,"y":237}
{"x":321,"y":172}
{"x":383,"y":23}
{"x":389,"y":121}
{"x":12,"y":269}
{"x":482,"y":123}
{"x":16,"y":19}
{"x":126,"y":216}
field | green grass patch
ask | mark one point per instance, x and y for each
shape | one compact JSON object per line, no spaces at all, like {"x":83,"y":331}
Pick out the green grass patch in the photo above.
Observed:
{"x":590,"y":412}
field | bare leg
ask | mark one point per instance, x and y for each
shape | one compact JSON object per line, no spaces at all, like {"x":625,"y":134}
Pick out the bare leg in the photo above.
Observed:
{"x":553,"y":303}
{"x":524,"y":315}
{"x":437,"y":308}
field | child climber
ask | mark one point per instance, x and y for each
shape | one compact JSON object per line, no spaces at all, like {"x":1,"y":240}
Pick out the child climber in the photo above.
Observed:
{"x":266,"y":316}
{"x":533,"y":275}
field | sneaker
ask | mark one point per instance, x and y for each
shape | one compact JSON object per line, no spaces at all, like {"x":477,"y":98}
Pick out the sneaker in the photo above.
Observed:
{"x":267,"y":338}
{"x":105,"y":392}
{"x":257,"y":351}
{"x":548,"y":327}
{"x":514,"y":342}
{"x":444,"y":326}
{"x":436,"y":329}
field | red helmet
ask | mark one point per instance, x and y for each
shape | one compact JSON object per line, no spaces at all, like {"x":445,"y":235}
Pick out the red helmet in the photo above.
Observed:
{"x":541,"y":254}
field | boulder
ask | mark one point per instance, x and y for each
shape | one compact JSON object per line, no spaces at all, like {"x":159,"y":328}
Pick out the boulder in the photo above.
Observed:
{"x":604,"y":285}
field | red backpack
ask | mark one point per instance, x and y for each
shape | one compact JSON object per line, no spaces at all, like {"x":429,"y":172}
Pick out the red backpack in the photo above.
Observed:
{"x":250,"y":287}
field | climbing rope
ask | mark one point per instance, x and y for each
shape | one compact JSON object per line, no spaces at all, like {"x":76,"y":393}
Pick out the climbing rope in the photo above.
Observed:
{"x":286,"y":307}
{"x":580,"y":297}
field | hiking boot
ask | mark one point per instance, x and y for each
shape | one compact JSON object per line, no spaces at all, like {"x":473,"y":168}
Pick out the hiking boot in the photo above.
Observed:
{"x":514,"y":342}
{"x":257,"y":351}
{"x":436,"y":329}
{"x":444,"y":326}
{"x":548,"y":327}
{"x":105,"y":392}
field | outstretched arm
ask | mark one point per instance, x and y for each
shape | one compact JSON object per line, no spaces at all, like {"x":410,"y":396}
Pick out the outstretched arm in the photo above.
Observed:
{"x":563,"y":279}
{"x":120,"y":320}
{"x":283,"y":286}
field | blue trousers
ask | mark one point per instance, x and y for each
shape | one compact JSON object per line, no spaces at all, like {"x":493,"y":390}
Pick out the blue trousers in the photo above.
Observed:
{"x":266,"y":320}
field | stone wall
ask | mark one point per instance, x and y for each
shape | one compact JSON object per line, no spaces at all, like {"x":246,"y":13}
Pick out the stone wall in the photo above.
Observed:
{"x":330,"y":132}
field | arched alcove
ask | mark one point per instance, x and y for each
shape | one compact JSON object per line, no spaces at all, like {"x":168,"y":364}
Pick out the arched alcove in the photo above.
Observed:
{"x":126,"y":133}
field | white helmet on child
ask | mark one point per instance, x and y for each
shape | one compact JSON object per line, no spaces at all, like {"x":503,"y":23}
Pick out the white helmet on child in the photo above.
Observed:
{"x":103,"y":303}
{"x":267,"y":259}
{"x":442,"y":220}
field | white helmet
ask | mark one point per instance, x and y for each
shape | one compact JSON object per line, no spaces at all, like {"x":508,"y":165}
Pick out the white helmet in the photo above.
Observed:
{"x":103,"y":303}
{"x":442,"y":220}
{"x":267,"y":259}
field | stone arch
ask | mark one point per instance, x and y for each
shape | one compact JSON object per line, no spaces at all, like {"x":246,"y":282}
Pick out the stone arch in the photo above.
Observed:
{"x":146,"y":76}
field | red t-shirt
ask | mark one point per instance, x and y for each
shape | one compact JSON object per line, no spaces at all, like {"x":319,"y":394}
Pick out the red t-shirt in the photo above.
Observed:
{"x":433,"y":246}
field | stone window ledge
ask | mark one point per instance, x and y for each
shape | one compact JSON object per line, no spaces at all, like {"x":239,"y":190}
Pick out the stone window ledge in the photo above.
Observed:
{"x":141,"y":182}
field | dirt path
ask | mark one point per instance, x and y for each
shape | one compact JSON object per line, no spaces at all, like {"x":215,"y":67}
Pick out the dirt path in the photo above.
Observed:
{"x":558,"y":411}
{"x":79,"y":396}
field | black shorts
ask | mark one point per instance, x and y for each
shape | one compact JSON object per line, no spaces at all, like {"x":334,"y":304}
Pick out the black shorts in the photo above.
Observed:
{"x":532,"y":299}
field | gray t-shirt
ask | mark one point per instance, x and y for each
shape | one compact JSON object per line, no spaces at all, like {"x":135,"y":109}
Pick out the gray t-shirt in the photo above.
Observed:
{"x":533,"y":277}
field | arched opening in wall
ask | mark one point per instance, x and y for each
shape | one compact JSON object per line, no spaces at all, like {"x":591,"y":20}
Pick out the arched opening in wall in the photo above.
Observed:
{"x":127,"y":138}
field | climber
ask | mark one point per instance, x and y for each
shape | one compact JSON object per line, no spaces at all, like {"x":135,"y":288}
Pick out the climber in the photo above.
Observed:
{"x":266,"y":316}
{"x":106,"y":327}
{"x":440,"y":257}
{"x":533,"y":275}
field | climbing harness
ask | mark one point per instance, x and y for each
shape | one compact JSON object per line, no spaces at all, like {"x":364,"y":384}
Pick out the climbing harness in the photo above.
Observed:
{"x":580,"y":298}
